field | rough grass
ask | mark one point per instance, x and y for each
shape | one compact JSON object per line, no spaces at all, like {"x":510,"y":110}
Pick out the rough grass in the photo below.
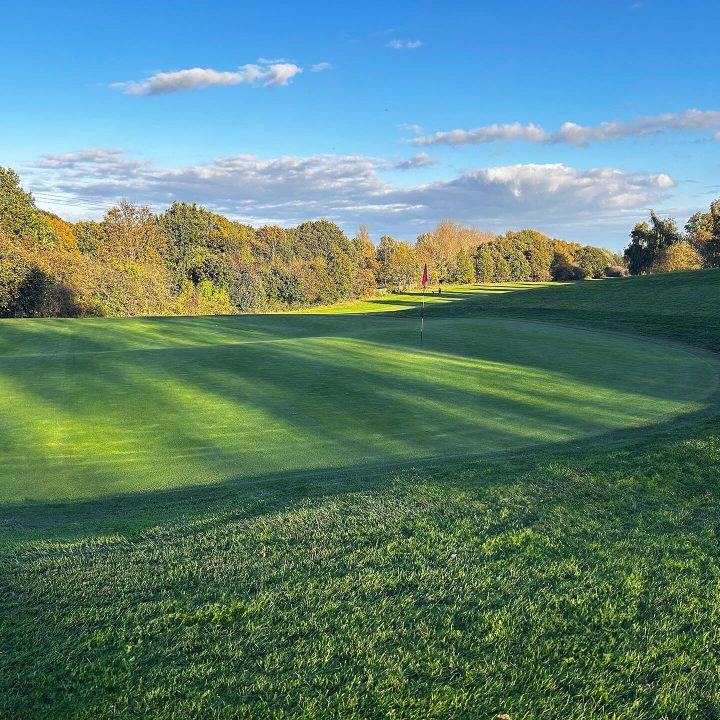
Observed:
{"x":570,"y":581}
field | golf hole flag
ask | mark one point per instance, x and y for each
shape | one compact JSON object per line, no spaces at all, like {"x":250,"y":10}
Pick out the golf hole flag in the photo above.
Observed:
{"x":424,"y":280}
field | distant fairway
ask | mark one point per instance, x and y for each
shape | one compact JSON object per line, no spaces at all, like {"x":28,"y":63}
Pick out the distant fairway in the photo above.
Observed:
{"x":95,"y":407}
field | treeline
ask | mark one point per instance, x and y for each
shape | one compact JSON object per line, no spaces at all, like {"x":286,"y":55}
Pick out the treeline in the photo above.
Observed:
{"x":188,"y":260}
{"x":659,"y":246}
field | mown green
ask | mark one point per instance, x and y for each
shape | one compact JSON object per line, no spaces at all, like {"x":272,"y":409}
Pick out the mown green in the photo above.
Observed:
{"x":564,"y":563}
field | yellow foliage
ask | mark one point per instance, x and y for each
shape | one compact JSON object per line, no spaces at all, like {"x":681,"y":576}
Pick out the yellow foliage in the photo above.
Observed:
{"x":678,"y":256}
{"x":63,"y":231}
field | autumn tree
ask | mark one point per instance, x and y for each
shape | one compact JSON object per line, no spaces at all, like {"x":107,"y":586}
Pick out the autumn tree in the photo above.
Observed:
{"x":678,"y":256}
{"x":365,"y":272}
{"x":132,"y":233}
{"x":399,"y":265}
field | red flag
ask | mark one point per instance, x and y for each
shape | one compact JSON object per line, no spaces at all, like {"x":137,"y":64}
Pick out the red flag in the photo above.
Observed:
{"x":424,"y":280}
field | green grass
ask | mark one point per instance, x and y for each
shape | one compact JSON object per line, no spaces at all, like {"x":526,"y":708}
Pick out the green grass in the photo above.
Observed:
{"x":311,"y":516}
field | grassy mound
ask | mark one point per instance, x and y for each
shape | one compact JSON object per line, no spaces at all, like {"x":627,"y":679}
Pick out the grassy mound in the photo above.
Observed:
{"x":574,"y":578}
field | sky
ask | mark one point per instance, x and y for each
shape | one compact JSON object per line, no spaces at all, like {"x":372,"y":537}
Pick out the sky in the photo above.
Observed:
{"x":574,"y":118}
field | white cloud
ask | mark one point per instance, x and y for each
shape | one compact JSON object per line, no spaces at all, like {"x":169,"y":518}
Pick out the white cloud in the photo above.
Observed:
{"x":717,"y":135}
{"x":490,"y":133}
{"x":404,"y":44}
{"x":276,"y":73}
{"x":412,"y":127}
{"x":319,"y":67}
{"x":416,"y":161}
{"x":570,"y":133}
{"x":596,"y":205}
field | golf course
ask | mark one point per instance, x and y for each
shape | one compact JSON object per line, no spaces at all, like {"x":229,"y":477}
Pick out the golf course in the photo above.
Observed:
{"x":313,"y":514}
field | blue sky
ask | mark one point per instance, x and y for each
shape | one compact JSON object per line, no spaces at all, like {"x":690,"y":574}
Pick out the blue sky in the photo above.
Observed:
{"x":280,"y":112}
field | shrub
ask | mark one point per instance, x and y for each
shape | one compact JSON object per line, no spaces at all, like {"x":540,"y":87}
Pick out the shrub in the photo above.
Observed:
{"x":616,"y":271}
{"x":562,"y":270}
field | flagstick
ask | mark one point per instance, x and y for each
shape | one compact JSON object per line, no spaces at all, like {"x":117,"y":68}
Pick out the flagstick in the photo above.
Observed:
{"x":422,"y":317}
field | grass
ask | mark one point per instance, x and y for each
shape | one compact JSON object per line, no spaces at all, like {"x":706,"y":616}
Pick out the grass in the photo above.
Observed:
{"x":564,"y":563}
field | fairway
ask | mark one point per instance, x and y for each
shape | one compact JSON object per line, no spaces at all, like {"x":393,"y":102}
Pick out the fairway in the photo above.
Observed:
{"x":98,"y":407}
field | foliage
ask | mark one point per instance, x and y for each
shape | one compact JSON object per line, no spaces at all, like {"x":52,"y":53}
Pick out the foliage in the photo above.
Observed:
{"x":23,"y":285}
{"x":189,"y":259}
{"x":441,"y":249}
{"x":398,"y":264}
{"x":464,"y":270}
{"x":484,"y":260}
{"x":646,"y":242}
{"x":20,"y":220}
{"x":563,"y":270}
{"x":90,"y":236}
{"x":592,"y":260}
{"x":247,"y":292}
{"x":679,"y":256}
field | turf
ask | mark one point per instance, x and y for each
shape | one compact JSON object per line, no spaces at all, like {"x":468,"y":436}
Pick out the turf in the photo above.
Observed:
{"x":565,"y":563}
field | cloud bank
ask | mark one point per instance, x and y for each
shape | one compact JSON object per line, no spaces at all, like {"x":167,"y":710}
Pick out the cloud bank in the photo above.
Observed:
{"x":584,"y":204}
{"x":570,"y":133}
{"x":162,"y":83}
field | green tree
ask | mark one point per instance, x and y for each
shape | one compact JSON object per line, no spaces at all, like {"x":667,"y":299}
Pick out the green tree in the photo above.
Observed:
{"x":20,"y":219}
{"x":711,"y":254}
{"x":247,"y":292}
{"x":538,"y":251}
{"x":23,"y":285}
{"x":189,"y":229}
{"x":593,"y":260}
{"x":502,"y":269}
{"x":484,"y":264}
{"x":90,"y":236}
{"x":563,"y":270}
{"x":464,"y":270}
{"x":647,"y":240}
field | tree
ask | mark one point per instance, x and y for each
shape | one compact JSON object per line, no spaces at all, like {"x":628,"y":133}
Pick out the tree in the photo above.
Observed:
{"x":188,"y":229}
{"x":484,"y":264}
{"x":441,"y":247}
{"x":325,"y":244}
{"x":699,"y":233}
{"x":365,"y":271}
{"x":502,"y":269}
{"x":513,"y":251}
{"x":273,"y":244}
{"x":132,"y":233}
{"x":399,"y":264}
{"x":20,"y":220}
{"x":23,"y":285}
{"x":538,"y":251}
{"x":711,"y":251}
{"x":562,"y":270}
{"x":678,"y":256}
{"x":647,"y":240}
{"x":90,"y":236}
{"x":247,"y":293}
{"x":464,"y":270}
{"x":593,"y":260}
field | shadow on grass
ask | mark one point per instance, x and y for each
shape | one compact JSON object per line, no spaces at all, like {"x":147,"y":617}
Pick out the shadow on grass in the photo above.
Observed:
{"x":69,"y":520}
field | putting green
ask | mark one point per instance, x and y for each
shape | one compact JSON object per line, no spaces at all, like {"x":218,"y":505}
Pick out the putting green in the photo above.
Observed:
{"x":94,"y":407}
